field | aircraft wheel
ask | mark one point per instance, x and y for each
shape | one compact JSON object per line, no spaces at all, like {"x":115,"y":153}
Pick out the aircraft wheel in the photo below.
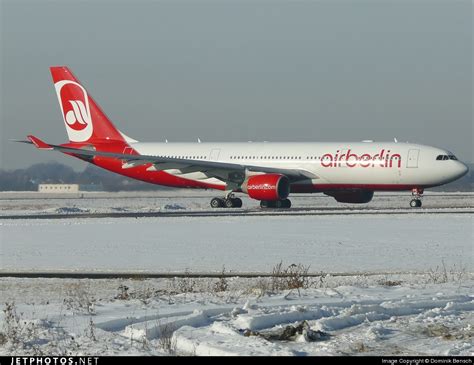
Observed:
{"x":278,"y":204}
{"x":415,"y":203}
{"x":229,"y":203}
{"x":286,"y":203}
{"x":237,"y":202}
{"x":217,"y":203}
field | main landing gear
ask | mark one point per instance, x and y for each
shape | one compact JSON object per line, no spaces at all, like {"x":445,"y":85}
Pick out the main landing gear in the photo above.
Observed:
{"x":417,"y":195}
{"x":228,"y":202}
{"x":285,"y":203}
{"x":232,"y":202}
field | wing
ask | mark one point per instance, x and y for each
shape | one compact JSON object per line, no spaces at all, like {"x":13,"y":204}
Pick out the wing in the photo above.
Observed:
{"x":228,"y":172}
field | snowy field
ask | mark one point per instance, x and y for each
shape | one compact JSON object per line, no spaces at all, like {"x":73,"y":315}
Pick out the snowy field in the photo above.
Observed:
{"x":377,"y":315}
{"x":408,"y":287}
{"x":349,"y":243}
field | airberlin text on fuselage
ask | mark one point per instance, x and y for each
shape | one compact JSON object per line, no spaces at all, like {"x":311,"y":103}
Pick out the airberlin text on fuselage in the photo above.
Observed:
{"x":349,"y":159}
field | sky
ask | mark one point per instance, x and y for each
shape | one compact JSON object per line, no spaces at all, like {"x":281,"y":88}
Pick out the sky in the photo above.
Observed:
{"x":242,"y":70}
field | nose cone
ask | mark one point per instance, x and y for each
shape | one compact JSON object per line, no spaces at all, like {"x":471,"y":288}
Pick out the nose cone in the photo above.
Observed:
{"x":460,"y":170}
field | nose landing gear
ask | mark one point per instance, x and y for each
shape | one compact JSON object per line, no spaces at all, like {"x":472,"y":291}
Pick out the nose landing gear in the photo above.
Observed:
{"x":417,"y":195}
{"x":415,"y":203}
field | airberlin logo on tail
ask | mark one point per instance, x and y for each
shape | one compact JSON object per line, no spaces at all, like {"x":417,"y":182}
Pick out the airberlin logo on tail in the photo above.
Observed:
{"x":74,"y":103}
{"x":76,"y":118}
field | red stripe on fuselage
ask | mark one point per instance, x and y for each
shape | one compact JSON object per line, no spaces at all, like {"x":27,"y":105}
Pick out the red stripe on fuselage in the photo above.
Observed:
{"x":138,"y":172}
{"x":153,"y":177}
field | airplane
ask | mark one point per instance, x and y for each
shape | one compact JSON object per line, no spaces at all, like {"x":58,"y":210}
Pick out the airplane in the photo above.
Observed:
{"x":265,"y":171}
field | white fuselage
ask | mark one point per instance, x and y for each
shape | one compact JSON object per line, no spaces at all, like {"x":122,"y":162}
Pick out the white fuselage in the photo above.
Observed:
{"x":377,"y":166}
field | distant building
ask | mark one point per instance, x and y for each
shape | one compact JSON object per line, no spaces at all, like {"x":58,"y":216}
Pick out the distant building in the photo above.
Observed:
{"x":58,"y":188}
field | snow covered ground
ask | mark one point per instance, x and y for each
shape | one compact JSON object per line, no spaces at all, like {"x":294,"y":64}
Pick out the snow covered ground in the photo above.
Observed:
{"x":352,"y":243}
{"x":359,"y":315}
{"x":422,"y":305}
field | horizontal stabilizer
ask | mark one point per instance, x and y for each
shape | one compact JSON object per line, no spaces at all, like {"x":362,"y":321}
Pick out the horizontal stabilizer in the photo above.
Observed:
{"x":20,"y":141}
{"x":39,"y":143}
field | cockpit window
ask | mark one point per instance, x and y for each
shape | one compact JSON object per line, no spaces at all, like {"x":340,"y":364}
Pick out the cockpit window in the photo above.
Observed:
{"x":439,"y":158}
{"x":445,"y":157}
{"x":452,"y":157}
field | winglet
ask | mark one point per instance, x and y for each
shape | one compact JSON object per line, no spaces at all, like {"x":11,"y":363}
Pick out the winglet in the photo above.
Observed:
{"x":39,"y":143}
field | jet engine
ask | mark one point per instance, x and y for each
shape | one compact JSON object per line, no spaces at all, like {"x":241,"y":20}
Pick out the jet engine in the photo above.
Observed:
{"x":267,"y":187}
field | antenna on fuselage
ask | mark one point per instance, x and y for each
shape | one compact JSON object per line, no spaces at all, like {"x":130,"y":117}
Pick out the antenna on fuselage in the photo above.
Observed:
{"x":396,"y":141}
{"x":199,"y":140}
{"x":166,"y":141}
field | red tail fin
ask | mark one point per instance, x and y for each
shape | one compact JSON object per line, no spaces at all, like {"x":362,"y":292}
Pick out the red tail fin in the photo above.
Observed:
{"x":84,"y":120}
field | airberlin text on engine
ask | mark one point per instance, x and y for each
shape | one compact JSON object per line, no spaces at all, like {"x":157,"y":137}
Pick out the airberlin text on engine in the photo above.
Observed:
{"x":346,"y":158}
